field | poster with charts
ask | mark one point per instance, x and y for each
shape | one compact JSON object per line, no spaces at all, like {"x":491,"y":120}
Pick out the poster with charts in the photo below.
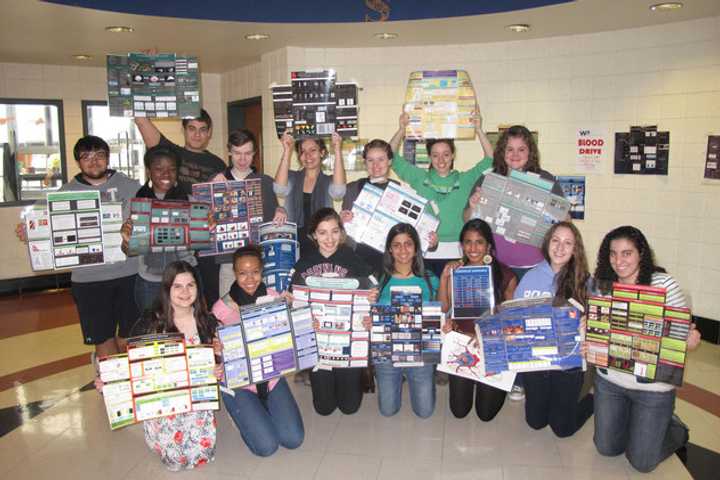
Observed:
{"x":520,"y":207}
{"x":237,"y":209}
{"x":76,"y":229}
{"x":642,"y":151}
{"x":164,"y":85}
{"x":440,"y":104}
{"x":280,"y":251}
{"x":158,"y":376}
{"x":574,"y":191}
{"x":168,"y":226}
{"x":529,"y":335}
{"x":269,"y":341}
{"x":712,"y":157}
{"x":342,"y":340}
{"x":635,"y":332}
{"x":471,"y":292}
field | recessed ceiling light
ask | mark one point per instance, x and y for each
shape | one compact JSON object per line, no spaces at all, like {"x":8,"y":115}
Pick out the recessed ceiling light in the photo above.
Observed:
{"x":386,"y":36}
{"x":257,"y":36}
{"x":82,"y":56}
{"x":518,"y":27}
{"x":658,"y":7}
{"x":119,"y":29}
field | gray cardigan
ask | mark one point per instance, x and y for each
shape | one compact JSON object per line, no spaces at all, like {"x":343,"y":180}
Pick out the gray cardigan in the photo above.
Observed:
{"x":322,"y":195}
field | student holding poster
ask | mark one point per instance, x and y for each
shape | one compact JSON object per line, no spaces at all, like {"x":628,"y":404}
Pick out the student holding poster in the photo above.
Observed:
{"x":403,"y":267}
{"x":551,"y":397}
{"x":186,"y":440}
{"x":478,"y":248}
{"x":308,"y":190}
{"x":266,"y":413}
{"x":441,"y":184}
{"x":340,"y":387}
{"x":634,"y":417}
{"x":242,"y":146}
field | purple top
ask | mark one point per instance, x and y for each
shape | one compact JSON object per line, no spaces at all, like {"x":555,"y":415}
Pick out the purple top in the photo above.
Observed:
{"x":517,"y":255}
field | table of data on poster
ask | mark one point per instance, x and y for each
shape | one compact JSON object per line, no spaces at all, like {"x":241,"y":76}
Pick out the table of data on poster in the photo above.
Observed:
{"x":635,"y":332}
{"x":472,"y":292}
{"x":530,"y":334}
{"x":158,"y":376}
{"x":270,"y":340}
{"x":237,"y":209}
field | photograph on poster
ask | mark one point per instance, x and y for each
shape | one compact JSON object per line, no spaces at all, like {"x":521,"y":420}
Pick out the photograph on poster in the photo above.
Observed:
{"x":574,"y":192}
{"x":642,"y":151}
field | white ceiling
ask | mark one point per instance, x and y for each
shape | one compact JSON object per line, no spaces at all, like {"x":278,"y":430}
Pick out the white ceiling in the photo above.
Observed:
{"x":38,"y":32}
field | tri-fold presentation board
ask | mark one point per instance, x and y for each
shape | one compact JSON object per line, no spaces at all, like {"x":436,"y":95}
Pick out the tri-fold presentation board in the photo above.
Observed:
{"x":168,"y":226}
{"x":635,"y":332}
{"x":376,"y":211}
{"x":406,"y":333}
{"x":642,"y":151}
{"x":530,"y":334}
{"x":280,"y":251}
{"x":269,"y":341}
{"x":520,"y":207}
{"x":440,"y":104}
{"x":158,"y":376}
{"x":163,"y":86}
{"x":237,"y":209}
{"x":315,"y":104}
{"x":342,"y":340}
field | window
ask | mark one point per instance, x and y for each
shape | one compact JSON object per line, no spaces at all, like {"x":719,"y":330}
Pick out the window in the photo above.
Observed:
{"x":126,"y":145}
{"x":32,"y":148}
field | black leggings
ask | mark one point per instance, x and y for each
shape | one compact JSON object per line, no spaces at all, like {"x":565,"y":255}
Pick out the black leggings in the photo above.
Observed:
{"x":551,"y":398}
{"x":337,"y":388}
{"x":488,"y":400}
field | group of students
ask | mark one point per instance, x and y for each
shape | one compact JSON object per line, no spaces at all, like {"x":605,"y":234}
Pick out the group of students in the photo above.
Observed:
{"x":174,"y":290}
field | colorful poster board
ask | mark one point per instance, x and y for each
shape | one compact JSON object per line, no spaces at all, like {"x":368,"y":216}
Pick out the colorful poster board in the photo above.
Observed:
{"x":574,"y":192}
{"x":530,"y":334}
{"x":269,"y":341}
{"x":168,"y":226}
{"x":37,"y":228}
{"x":165,"y":85}
{"x":237,"y":209}
{"x":376,"y":211}
{"x":520,"y":207}
{"x":76,"y":229}
{"x":407,"y":332}
{"x":712,"y":157}
{"x":440,"y":104}
{"x":642,"y":151}
{"x":342,"y":340}
{"x":280,"y":251}
{"x":471,"y":292}
{"x":635,"y":332}
{"x":158,"y":376}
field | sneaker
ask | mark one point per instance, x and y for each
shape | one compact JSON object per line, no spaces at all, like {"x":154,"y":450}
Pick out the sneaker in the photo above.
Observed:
{"x":517,"y":394}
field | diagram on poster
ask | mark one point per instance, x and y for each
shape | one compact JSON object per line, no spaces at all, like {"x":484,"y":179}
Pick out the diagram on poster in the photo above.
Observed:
{"x":530,"y":334}
{"x":237,"y":209}
{"x":168,"y":226}
{"x":574,"y":192}
{"x":642,"y":151}
{"x":280,"y":251}
{"x":440,"y":105}
{"x":75,"y":229}
{"x":635,"y":332}
{"x":269,"y":341}
{"x":163,"y":85}
{"x":591,"y":148}
{"x":471,"y":292}
{"x":158,"y":376}
{"x":342,"y":339}
{"x":712,"y":157}
{"x":315,"y":104}
{"x":376,"y":211}
{"x":520,"y":207}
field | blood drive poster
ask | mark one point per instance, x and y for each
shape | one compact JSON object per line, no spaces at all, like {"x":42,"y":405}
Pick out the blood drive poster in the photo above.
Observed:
{"x":591,"y":147}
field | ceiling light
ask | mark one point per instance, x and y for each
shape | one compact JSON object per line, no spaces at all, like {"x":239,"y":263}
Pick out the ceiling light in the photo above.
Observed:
{"x":119,"y":29}
{"x":386,"y":36}
{"x":518,"y":27}
{"x":257,"y":36}
{"x":658,"y":7}
{"x":82,"y":56}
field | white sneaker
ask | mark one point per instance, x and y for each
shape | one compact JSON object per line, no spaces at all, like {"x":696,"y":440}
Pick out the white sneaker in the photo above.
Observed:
{"x":517,"y":394}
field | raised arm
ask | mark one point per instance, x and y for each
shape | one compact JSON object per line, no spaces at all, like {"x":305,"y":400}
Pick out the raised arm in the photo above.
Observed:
{"x":149,"y":132}
{"x":484,"y":141}
{"x":399,"y":136}
{"x":339,"y":177}
{"x":281,"y":176}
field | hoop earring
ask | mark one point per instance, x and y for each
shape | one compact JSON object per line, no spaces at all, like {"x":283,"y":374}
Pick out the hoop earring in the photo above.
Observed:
{"x":487,"y":259}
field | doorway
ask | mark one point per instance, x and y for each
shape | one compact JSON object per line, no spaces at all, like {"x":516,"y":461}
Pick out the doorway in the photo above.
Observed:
{"x":248,"y":114}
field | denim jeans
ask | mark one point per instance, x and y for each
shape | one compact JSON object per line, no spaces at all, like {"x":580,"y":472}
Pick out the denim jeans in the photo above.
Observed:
{"x":638,"y":423}
{"x":266,"y":424}
{"x":145,"y":293}
{"x":421,"y":381}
